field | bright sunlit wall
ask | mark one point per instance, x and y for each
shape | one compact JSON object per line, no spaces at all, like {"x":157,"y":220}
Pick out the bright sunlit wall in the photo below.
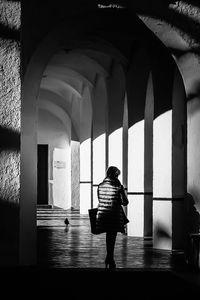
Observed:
{"x":136,"y":179}
{"x":162,"y":181}
{"x":85,"y":176}
{"x":115,"y":150}
{"x":99,"y":163}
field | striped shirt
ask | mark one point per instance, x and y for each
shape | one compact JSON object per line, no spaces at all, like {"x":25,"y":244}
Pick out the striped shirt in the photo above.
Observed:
{"x":110,"y":215}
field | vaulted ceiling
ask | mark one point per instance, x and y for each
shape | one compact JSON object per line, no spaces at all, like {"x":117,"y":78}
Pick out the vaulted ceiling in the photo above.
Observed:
{"x":175,"y":23}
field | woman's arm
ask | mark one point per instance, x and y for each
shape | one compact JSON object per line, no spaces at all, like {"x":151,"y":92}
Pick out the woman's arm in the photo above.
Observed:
{"x":124,"y":198}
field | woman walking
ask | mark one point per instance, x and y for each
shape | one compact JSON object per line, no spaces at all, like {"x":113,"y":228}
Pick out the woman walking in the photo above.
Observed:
{"x":110,"y":215}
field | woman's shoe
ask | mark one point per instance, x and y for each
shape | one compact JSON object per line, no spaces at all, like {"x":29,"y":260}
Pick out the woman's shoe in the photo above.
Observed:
{"x":110,"y":264}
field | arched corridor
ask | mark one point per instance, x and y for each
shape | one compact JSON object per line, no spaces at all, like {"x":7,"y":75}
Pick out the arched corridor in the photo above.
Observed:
{"x":97,"y":102}
{"x":85,"y":85}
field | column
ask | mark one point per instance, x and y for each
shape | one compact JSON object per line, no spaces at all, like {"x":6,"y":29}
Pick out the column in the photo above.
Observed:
{"x":179,"y":171}
{"x":99,"y":135}
{"x":136,"y":93}
{"x":192,"y":201}
{"x":148,"y":160}
{"x":75,"y":174}
{"x":116,"y":94}
{"x":85,"y":151}
{"x":125,"y":149}
{"x":169,"y":169}
{"x":75,"y":152}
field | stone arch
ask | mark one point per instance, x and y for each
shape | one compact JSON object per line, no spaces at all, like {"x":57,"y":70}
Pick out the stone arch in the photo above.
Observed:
{"x":58,"y":39}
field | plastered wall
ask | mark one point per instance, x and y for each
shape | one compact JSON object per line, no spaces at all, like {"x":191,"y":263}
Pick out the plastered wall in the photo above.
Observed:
{"x":10,"y":104}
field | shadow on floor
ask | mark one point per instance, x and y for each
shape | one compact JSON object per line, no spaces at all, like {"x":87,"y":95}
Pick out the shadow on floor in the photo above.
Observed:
{"x":148,"y":284}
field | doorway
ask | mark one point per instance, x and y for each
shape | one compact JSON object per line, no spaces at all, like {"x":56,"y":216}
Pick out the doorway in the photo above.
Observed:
{"x":42,"y":175}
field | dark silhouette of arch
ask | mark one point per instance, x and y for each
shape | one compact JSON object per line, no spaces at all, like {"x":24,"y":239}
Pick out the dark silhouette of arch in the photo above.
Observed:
{"x":9,"y":231}
{"x":9,"y":33}
{"x":9,"y":139}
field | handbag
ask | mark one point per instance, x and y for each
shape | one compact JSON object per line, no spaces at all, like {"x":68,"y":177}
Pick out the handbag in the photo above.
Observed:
{"x":93,"y":217}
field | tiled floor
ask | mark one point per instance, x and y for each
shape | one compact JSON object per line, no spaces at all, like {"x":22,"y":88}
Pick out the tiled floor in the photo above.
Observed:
{"x":71,"y":264}
{"x":68,"y":255}
{"x":74,"y":246}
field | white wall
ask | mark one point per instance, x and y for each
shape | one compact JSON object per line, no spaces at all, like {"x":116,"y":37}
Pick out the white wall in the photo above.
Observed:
{"x":52,"y":131}
{"x":115,"y":150}
{"x":61,"y":178}
{"x":162,"y":150}
{"x":162,"y":181}
{"x":136,"y":179}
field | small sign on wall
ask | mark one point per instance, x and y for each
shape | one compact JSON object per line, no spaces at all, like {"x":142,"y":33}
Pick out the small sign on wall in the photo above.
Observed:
{"x":59,"y":164}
